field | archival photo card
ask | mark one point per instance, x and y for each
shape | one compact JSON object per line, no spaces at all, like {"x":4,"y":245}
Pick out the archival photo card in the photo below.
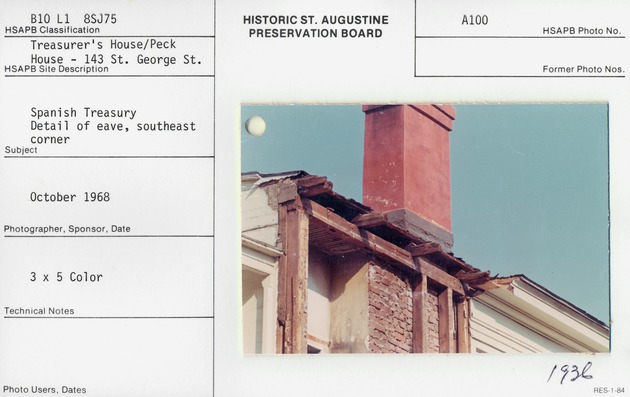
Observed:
{"x":425,"y":228}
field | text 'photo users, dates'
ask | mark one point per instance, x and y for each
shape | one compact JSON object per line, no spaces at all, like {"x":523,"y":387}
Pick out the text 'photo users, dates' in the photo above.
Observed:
{"x":43,"y":389}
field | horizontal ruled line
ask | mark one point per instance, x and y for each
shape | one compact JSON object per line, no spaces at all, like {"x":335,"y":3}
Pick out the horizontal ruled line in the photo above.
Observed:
{"x":110,"y":75}
{"x":522,"y":76}
{"x":116,"y":236}
{"x":103,"y":36}
{"x":113,"y":317}
{"x":109,"y":157}
{"x":520,"y":37}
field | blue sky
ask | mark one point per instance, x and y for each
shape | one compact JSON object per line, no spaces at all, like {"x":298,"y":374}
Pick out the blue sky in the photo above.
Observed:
{"x":529,"y":184}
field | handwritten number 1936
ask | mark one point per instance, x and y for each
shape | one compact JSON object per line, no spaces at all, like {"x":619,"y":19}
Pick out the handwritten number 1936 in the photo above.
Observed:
{"x":574,"y":372}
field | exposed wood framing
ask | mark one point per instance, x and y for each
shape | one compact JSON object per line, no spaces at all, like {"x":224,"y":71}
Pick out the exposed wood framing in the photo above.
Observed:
{"x":287,"y":191}
{"x":360,"y":237}
{"x":427,"y":264}
{"x":292,"y":279}
{"x":463,"y":326}
{"x":439,"y":275}
{"x":446,"y":321}
{"x":371,"y":219}
{"x":313,"y":185}
{"x":297,"y":263}
{"x":434,"y":252}
{"x":424,"y":249}
{"x":282,"y":283}
{"x":420,"y":331}
{"x":473,"y":277}
{"x":383,"y":248}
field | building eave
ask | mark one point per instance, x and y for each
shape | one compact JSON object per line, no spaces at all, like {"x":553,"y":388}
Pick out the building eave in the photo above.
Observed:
{"x":342,"y":225}
{"x":538,"y":309}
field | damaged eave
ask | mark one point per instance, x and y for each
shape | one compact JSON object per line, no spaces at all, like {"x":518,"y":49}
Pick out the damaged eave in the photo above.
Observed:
{"x":343,"y":225}
{"x":381,"y":225}
{"x":320,"y":190}
{"x":360,"y":238}
{"x":471,"y":276}
{"x":313,"y":185}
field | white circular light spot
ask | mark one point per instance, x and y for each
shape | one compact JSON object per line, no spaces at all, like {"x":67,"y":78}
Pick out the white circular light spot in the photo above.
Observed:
{"x":255,"y":125}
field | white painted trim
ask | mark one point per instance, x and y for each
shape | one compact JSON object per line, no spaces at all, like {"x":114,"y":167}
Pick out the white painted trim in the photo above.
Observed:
{"x":260,"y":247}
{"x":500,"y":332}
{"x":552,"y":304}
{"x":536,"y":309}
{"x":263,"y":260}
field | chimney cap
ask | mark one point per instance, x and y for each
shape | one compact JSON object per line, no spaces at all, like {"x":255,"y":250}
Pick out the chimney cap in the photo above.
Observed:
{"x":440,"y":114}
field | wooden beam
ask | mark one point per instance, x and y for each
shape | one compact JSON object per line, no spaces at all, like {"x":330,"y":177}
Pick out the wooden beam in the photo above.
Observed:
{"x":282,"y":283}
{"x":420,"y":323}
{"x":311,"y":180}
{"x":313,"y":185}
{"x":314,"y":191}
{"x":292,"y":278}
{"x":439,"y":275}
{"x":424,"y":249}
{"x":361,"y":238}
{"x":371,"y":219}
{"x":381,"y":247}
{"x":463,"y":326}
{"x":445,"y":321}
{"x":478,"y":277}
{"x":296,"y":249}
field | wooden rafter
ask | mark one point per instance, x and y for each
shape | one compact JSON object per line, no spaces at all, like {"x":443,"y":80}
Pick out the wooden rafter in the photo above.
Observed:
{"x":381,"y":247}
{"x":371,"y":219}
{"x":473,"y":278}
{"x":313,"y":185}
{"x":423,"y":249}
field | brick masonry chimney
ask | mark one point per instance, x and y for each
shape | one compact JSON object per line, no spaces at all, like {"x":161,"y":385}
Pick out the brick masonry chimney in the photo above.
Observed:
{"x":406,"y":167}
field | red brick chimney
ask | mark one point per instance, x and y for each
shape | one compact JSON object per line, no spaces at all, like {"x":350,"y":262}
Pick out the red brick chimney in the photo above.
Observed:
{"x":406,"y":167}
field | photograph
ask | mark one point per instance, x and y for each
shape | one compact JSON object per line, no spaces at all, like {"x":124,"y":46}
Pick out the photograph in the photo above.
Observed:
{"x":425,"y":228}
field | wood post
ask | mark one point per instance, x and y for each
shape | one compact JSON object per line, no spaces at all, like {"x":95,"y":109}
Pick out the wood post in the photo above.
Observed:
{"x":446,"y":321}
{"x":282,"y":283}
{"x":292,"y":279}
{"x":463,"y":326}
{"x":420,"y":324}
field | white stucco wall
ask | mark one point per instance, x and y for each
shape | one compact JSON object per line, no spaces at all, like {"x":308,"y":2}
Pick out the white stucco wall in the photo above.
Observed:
{"x":259,"y":218}
{"x":318,"y":306}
